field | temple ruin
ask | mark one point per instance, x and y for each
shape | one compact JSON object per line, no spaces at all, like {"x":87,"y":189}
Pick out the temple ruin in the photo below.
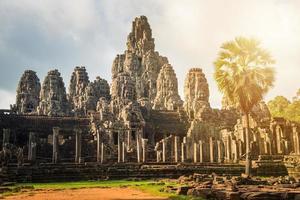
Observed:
{"x":138,"y":120}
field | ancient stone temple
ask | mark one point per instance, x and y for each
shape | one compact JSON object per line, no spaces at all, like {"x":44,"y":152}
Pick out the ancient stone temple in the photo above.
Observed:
{"x":139,"y":118}
{"x":28,"y":92}
{"x":53,"y":98}
{"x":78,"y":83}
{"x":167,"y":97}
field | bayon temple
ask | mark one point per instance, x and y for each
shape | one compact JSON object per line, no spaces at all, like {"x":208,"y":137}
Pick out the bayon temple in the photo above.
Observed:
{"x":139,"y":118}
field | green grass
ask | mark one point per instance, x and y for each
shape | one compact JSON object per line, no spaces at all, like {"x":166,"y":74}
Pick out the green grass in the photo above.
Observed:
{"x":149,"y":186}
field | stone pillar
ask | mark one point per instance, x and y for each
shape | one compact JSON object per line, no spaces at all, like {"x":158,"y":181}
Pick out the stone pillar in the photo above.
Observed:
{"x":163,"y":150}
{"x":6,"y":136}
{"x":211,"y":149}
{"x":123,"y":152}
{"x":32,"y":147}
{"x":220,"y":151}
{"x":55,"y":144}
{"x":144,"y":148}
{"x":78,"y":145}
{"x":278,"y":139}
{"x":183,"y":150}
{"x":234,"y":151}
{"x":195,"y":153}
{"x":176,"y":142}
{"x":228,"y":148}
{"x":98,"y":146}
{"x":102,"y":152}
{"x":200,"y":151}
{"x":240,"y":148}
{"x":128,"y":138}
{"x":158,"y":156}
{"x":138,"y":150}
{"x":119,"y":147}
{"x":296,"y":141}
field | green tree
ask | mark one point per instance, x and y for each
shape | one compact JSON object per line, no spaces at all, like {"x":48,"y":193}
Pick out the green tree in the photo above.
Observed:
{"x":292,"y":112}
{"x":278,"y":105}
{"x":244,"y":73}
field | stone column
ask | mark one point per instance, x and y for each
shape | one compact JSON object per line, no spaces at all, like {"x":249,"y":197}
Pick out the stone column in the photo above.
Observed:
{"x":128,"y":138}
{"x":144,"y":148}
{"x":78,"y":145}
{"x":176,"y":142}
{"x":211,"y":149}
{"x":163,"y":150}
{"x":183,"y":150}
{"x":228,"y":148}
{"x":32,"y":147}
{"x":138,"y":150}
{"x":6,"y":136}
{"x":158,"y":156}
{"x":220,"y":151}
{"x":119,"y":147}
{"x":278,"y":139}
{"x":296,"y":140}
{"x":55,"y":144}
{"x":123,"y":152}
{"x":102,"y":153}
{"x":240,"y":148}
{"x":200,"y":151}
{"x":195,"y":153}
{"x":98,"y":146}
{"x":234,"y":151}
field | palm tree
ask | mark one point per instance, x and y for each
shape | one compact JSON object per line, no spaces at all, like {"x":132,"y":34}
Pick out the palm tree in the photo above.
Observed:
{"x":244,"y":73}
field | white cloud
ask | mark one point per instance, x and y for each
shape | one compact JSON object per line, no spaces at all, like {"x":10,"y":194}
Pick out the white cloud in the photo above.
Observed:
{"x":6,"y":98}
{"x":44,"y":34}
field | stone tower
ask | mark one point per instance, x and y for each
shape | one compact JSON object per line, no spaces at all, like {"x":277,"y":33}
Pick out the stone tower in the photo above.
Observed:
{"x":196,"y":94}
{"x":53,"y":98}
{"x":167,"y":97}
{"x":78,"y":83}
{"x":95,"y":90}
{"x":28,"y":92}
{"x":140,"y":61}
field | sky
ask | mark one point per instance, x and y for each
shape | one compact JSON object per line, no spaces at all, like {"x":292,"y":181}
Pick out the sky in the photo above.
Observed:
{"x":55,"y":34}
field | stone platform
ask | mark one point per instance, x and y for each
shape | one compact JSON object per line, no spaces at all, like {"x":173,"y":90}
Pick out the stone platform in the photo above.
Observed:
{"x":93,"y":171}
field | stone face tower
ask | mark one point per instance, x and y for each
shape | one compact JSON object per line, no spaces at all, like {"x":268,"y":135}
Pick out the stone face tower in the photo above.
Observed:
{"x":167,"y":97}
{"x":53,"y":98}
{"x":28,"y":92}
{"x":140,"y":61}
{"x":78,"y":83}
{"x":196,"y":93}
{"x":94,"y":91}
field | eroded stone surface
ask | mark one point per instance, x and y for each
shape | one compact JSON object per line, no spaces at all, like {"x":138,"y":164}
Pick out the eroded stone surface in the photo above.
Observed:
{"x":53,"y":98}
{"x":78,"y":83}
{"x":28,"y":92}
{"x":167,"y":97}
{"x":140,"y":61}
{"x":196,"y":94}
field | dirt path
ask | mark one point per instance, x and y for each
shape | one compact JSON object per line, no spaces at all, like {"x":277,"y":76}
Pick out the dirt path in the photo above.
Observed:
{"x":85,"y":194}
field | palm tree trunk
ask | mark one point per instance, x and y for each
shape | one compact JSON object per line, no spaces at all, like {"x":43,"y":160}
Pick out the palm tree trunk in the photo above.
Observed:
{"x":248,"y":153}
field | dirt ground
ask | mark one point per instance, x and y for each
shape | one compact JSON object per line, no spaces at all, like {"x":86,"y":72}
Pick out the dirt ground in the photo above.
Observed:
{"x":85,"y":194}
